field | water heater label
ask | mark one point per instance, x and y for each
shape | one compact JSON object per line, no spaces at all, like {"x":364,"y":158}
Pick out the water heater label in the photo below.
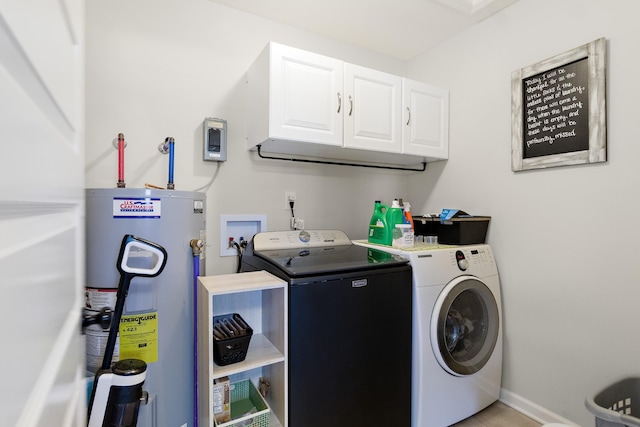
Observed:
{"x":137,"y":207}
{"x":139,"y":337}
{"x":96,"y":337}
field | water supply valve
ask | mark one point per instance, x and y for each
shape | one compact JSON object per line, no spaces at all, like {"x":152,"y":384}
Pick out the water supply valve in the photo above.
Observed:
{"x":168,"y":147}
{"x":196,"y":246}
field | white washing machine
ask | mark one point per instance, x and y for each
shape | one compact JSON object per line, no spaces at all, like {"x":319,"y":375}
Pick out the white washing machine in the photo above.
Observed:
{"x":457,"y":332}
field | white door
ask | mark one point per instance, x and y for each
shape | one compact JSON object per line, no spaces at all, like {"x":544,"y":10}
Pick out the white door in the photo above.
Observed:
{"x":306,"y":96}
{"x":425,"y":123}
{"x":372,"y":114}
{"x":41,"y":212}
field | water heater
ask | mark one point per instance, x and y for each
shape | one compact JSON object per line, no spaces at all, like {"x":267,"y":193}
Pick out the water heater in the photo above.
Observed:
{"x":157,"y":324}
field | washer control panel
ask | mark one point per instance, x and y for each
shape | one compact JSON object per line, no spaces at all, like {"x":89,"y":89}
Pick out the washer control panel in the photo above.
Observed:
{"x":270,"y":240}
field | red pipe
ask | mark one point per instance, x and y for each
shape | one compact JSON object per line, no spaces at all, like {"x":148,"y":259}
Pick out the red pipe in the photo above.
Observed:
{"x":121,"y":183}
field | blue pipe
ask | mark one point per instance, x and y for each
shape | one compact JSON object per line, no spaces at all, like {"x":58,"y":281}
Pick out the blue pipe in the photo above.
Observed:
{"x":196,"y":248}
{"x":171,"y":185}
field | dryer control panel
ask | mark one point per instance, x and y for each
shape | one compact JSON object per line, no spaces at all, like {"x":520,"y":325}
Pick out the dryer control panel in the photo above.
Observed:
{"x":462,"y":262}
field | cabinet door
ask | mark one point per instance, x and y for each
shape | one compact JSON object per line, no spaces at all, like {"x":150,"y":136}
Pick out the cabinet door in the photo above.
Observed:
{"x":306,"y":96}
{"x":425,"y":126}
{"x":372,"y":110}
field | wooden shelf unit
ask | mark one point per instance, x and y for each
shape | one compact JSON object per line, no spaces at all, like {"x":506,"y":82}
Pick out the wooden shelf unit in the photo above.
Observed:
{"x":261,"y":299}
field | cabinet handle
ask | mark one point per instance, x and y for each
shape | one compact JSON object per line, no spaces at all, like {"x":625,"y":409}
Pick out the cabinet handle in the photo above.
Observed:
{"x":409,"y":111}
{"x":350,"y":105}
{"x":339,"y":102}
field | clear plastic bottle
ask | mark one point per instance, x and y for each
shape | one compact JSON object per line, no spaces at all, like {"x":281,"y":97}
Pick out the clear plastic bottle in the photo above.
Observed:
{"x":403,"y":236}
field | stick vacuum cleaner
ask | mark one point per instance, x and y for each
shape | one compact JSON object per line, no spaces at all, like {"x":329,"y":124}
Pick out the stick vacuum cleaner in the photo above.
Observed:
{"x":117,"y":390}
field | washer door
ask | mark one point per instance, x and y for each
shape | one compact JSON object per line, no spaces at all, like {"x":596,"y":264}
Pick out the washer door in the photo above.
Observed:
{"x":464,"y":326}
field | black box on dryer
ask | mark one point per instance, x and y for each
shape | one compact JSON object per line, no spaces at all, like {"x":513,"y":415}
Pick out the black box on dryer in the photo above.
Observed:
{"x":460,"y":230}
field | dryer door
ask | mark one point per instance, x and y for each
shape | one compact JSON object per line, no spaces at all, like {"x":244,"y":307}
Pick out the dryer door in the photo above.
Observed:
{"x":464,"y":326}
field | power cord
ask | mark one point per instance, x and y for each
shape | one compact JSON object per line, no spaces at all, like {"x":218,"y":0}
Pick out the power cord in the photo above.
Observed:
{"x":239,"y":249}
{"x":293,"y":215}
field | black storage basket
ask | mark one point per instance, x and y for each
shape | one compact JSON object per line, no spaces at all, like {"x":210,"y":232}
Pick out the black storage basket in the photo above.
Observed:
{"x":231,"y":337}
{"x":462,"y":230}
{"x":617,"y":405}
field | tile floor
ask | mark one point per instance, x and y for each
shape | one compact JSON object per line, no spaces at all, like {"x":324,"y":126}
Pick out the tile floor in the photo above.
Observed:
{"x":498,"y":415}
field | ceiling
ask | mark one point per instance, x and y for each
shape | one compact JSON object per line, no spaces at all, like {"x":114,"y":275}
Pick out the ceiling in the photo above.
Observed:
{"x":399,"y":28}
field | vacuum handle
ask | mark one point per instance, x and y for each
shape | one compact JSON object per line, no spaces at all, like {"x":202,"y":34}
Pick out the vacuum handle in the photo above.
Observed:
{"x":137,"y":258}
{"x":140,"y":257}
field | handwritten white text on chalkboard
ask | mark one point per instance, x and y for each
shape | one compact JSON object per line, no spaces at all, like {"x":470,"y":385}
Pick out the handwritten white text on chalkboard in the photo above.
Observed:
{"x":556,"y":110}
{"x":552,"y":105}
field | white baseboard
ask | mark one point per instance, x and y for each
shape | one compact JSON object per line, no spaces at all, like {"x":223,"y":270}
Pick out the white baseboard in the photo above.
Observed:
{"x":531,"y":409}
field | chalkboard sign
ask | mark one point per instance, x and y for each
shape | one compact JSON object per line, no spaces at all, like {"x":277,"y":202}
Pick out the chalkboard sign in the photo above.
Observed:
{"x":556,"y":113}
{"x":558,"y":110}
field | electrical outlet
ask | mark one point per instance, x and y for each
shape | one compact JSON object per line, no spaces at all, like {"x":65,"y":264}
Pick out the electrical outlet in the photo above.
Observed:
{"x":289,"y":196}
{"x":296,"y":223}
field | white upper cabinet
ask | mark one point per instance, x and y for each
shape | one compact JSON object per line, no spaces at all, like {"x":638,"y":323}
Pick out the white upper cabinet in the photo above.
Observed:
{"x":306,"y":92}
{"x":425,"y":124}
{"x":306,"y":104}
{"x":373,"y":102}
{"x":295,"y":95}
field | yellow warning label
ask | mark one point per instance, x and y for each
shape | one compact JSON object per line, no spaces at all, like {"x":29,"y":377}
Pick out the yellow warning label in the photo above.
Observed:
{"x":139,"y":337}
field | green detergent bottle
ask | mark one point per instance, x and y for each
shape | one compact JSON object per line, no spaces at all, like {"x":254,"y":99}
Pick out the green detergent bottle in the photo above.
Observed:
{"x":379,"y":232}
{"x":394,"y":215}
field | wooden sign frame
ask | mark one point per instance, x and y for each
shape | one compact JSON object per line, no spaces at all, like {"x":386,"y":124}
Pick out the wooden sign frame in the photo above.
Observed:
{"x":533,"y":89}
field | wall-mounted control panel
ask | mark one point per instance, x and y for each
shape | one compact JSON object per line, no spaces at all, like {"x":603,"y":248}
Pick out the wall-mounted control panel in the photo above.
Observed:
{"x":215,"y":139}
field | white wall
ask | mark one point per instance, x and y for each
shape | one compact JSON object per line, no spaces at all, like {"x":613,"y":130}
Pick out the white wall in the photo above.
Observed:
{"x":158,"y":69}
{"x":565,"y":238}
